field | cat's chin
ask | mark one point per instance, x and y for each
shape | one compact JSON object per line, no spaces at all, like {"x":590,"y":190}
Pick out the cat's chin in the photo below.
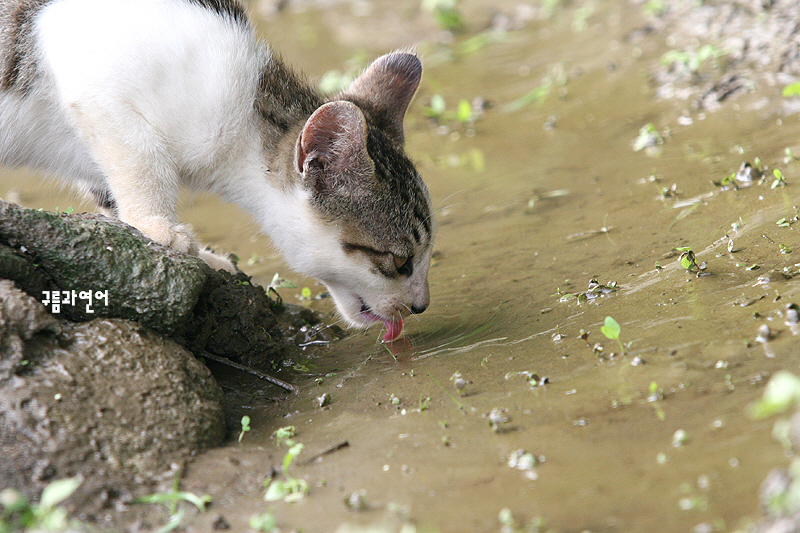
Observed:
{"x":358,"y":314}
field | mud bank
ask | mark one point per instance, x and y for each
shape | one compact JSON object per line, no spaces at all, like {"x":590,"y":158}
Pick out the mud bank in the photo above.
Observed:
{"x":105,"y":383}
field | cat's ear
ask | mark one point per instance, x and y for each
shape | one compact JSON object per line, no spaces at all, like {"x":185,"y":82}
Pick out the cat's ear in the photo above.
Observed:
{"x":332,"y":148}
{"x":386,"y":88}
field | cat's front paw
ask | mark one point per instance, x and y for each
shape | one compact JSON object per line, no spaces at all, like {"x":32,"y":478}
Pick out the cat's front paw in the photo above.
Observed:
{"x":177,"y":236}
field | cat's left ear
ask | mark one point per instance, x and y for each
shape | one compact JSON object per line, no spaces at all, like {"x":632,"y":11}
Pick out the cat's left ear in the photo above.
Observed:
{"x":386,"y":88}
{"x":331,"y":151}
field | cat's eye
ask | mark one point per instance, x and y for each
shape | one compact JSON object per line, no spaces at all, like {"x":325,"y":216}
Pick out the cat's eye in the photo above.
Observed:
{"x":404,"y":265}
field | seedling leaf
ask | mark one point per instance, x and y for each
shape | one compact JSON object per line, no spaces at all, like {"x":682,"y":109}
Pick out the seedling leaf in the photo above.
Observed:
{"x":263,"y":522}
{"x":173,"y":522}
{"x":58,"y":491}
{"x":245,"y":426}
{"x":611,"y":329}
{"x":290,"y":456}
{"x":285,"y":435}
{"x":464,"y":113}
{"x":793,"y":89}
{"x":781,"y":393}
{"x":290,"y":490}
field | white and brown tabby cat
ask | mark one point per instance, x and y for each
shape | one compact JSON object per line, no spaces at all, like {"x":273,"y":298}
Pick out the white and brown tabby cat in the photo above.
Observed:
{"x":130,"y":99}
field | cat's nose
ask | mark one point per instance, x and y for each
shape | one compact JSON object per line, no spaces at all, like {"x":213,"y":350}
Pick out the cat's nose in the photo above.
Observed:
{"x":417,"y":309}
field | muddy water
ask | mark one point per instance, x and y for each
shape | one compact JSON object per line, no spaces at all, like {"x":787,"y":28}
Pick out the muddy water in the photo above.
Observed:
{"x":555,"y":196}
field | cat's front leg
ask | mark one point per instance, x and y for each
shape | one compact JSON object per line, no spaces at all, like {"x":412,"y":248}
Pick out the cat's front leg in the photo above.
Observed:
{"x":140,"y":174}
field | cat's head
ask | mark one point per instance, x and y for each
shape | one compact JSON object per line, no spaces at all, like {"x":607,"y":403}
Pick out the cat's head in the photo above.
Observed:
{"x":374,"y":208}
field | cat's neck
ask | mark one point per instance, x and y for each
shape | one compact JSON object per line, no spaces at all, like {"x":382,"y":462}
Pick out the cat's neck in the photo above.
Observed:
{"x":285,"y":101}
{"x":262,"y":178}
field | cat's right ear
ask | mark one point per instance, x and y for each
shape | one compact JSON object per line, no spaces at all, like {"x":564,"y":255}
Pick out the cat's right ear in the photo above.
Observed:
{"x":332,"y":148}
{"x":386,"y":88}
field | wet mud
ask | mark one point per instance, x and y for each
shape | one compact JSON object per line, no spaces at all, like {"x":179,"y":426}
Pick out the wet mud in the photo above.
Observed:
{"x":584,"y":156}
{"x":108,"y":400}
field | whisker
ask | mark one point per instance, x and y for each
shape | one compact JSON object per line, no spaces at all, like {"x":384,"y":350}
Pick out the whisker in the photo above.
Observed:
{"x":453,"y":194}
{"x":418,"y":319}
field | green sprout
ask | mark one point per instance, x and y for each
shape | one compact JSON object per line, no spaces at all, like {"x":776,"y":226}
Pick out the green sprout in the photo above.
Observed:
{"x":264,"y":522}
{"x":18,"y":514}
{"x":611,"y":330}
{"x":691,"y":61}
{"x":780,"y":180}
{"x":170,"y":500}
{"x":781,"y":393}
{"x":648,"y":136}
{"x":438,"y":111}
{"x":289,"y":489}
{"x":279,"y":283}
{"x":285,"y":435}
{"x":424,"y":403}
{"x":446,"y":13}
{"x":245,"y":426}
{"x":689,"y":260}
{"x":534,"y":96}
{"x":464,"y":111}
{"x":437,"y":107}
{"x":335,"y":81}
{"x":793,"y":89}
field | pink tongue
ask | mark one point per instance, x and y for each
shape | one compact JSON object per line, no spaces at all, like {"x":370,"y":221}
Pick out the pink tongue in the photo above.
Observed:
{"x":393,"y":329}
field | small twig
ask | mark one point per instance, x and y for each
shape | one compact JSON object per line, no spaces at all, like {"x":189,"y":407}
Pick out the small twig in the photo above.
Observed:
{"x":259,"y":374}
{"x":334,"y":448}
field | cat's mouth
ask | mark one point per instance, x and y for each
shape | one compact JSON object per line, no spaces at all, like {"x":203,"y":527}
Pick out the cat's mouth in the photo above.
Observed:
{"x":394,"y":328}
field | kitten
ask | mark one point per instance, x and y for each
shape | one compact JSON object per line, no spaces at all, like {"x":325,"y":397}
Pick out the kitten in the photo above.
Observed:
{"x":129,"y":100}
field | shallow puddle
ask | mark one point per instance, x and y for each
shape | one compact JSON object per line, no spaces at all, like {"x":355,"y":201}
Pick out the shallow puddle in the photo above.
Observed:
{"x":533,"y":202}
